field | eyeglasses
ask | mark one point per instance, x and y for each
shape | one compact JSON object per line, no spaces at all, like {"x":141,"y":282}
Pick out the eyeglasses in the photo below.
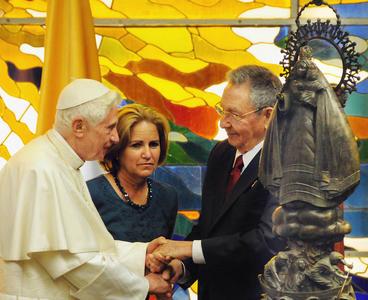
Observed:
{"x":223,"y":113}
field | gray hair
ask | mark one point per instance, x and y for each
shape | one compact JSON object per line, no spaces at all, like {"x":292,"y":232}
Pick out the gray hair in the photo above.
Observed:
{"x":93,"y":111}
{"x":264,"y":85}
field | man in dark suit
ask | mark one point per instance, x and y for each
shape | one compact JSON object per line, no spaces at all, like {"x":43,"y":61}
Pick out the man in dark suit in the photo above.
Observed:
{"x":233,"y":239}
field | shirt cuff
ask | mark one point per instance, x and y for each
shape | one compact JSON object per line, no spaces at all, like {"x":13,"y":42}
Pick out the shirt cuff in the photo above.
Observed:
{"x":197,"y":252}
{"x":184,"y":276}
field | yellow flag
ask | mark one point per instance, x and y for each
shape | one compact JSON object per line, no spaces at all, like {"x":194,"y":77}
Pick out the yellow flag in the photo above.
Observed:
{"x":70,"y":52}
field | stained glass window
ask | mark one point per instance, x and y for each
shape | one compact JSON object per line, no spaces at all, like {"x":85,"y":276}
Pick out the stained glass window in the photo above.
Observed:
{"x":172,"y":55}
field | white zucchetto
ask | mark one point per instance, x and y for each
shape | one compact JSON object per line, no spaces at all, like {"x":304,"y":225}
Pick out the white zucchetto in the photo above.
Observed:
{"x":80,"y":91}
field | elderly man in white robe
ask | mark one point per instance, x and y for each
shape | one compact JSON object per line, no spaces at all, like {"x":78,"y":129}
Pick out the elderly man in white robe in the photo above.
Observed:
{"x":53,"y":243}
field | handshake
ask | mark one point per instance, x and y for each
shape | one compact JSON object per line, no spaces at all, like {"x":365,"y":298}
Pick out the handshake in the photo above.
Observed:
{"x":164,"y":266}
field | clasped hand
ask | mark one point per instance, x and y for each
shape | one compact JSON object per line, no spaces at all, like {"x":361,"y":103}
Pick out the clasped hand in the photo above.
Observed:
{"x":163,"y":269}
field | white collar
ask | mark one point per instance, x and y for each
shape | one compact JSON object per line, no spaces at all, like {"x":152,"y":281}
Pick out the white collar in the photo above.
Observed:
{"x":65,"y":150}
{"x":248,"y":156}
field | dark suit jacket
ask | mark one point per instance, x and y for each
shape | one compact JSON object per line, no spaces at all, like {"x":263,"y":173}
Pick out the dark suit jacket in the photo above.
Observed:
{"x":235,"y":229}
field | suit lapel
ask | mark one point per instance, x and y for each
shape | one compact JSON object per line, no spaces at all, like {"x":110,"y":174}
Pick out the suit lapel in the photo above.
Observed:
{"x":246,"y":180}
{"x":226,"y":162}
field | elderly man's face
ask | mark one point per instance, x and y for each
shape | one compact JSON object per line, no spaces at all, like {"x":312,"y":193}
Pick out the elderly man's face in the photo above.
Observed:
{"x":247,"y":132}
{"x":101,"y":137}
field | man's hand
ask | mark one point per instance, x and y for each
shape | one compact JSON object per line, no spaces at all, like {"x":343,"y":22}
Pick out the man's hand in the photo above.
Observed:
{"x":159,"y":286}
{"x":173,"y":271}
{"x":174,"y":249}
{"x":155,"y":243}
{"x":156,"y":263}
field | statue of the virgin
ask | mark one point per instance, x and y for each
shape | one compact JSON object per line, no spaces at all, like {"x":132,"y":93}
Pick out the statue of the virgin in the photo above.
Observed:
{"x":309,"y":154}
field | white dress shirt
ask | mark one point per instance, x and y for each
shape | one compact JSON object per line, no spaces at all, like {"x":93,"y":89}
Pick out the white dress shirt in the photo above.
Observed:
{"x":197,"y":252}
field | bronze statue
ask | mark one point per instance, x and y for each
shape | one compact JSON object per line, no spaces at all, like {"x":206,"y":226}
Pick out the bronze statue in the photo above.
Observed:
{"x":307,"y":141}
{"x":310,"y":161}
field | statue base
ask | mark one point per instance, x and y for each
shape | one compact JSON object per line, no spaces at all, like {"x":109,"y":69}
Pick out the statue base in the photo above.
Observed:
{"x":343,"y":292}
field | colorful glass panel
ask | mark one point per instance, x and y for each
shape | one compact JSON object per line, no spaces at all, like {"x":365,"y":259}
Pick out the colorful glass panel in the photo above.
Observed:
{"x":180,"y":71}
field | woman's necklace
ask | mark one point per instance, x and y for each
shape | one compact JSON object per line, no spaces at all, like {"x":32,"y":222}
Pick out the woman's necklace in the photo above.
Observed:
{"x":140,"y":207}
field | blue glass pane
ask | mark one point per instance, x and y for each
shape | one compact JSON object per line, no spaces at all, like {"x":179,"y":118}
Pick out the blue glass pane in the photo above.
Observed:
{"x":180,"y":294}
{"x":362,"y":87}
{"x":188,"y":182}
{"x":32,"y":75}
{"x":361,"y":31}
{"x":284,"y":31}
{"x":358,"y":10}
{"x":359,"y":199}
{"x":357,"y":105}
{"x":356,"y":206}
{"x":358,"y":220}
{"x":363,"y":60}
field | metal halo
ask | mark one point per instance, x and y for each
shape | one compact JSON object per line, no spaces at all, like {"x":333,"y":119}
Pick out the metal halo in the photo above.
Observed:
{"x":331,"y":33}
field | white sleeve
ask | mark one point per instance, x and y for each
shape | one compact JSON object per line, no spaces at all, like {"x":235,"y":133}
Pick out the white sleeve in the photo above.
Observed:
{"x":132,"y":255}
{"x":95,"y":276}
{"x":197,"y":252}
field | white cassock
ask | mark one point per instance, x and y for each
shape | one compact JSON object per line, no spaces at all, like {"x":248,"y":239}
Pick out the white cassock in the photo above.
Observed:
{"x":53,"y":242}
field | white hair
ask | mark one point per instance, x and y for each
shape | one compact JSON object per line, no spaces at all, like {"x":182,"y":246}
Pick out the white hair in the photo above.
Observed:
{"x":93,"y":111}
{"x":264,"y":85}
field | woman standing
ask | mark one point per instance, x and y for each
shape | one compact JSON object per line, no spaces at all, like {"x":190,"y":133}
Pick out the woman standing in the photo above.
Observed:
{"x":134,"y":207}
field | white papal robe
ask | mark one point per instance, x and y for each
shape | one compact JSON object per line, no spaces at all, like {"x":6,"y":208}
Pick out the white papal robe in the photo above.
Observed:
{"x":53,"y":243}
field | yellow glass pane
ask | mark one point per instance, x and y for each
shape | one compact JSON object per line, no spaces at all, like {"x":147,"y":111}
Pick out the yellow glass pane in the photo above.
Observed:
{"x":170,"y":90}
{"x":104,"y":70}
{"x":169,"y":39}
{"x":4,"y":153}
{"x":276,"y":3}
{"x":209,"y":98}
{"x":40,"y":5}
{"x":190,"y":54}
{"x":192,"y":102}
{"x":18,"y":37}
{"x":34,"y":30}
{"x":200,"y":9}
{"x":116,"y":52}
{"x":132,"y":43}
{"x":16,"y":105}
{"x":30,"y":92}
{"x":144,"y":9}
{"x":100,"y":10}
{"x":17,"y":127}
{"x":29,"y":118}
{"x":6,"y":83}
{"x":105,"y":62}
{"x":175,"y":136}
{"x":4,"y":127}
{"x":228,"y":41}
{"x":17,"y":13}
{"x":193,"y":30}
{"x":9,"y":52}
{"x":5,"y":6}
{"x":194,"y":287}
{"x":303,"y":2}
{"x":182,"y":64}
{"x":208,"y":52}
{"x":113,"y":32}
{"x":333,"y":2}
